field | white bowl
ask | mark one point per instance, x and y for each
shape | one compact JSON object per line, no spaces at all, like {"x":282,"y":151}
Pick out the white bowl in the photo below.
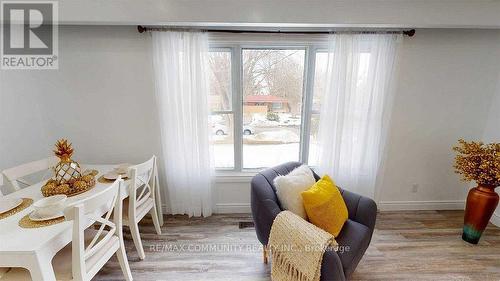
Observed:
{"x":122,"y":168}
{"x":51,"y":205}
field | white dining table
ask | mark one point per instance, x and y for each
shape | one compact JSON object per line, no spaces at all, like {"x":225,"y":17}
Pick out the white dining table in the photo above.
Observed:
{"x":34,"y":248}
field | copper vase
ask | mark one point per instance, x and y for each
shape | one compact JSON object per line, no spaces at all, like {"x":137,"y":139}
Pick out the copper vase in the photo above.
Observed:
{"x":481,"y":203}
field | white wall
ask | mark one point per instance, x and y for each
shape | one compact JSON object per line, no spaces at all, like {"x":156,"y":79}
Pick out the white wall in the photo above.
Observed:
{"x":446,"y":83}
{"x":102,"y":99}
{"x":24,"y":130}
{"x":380,"y":13}
{"x":492,"y":134}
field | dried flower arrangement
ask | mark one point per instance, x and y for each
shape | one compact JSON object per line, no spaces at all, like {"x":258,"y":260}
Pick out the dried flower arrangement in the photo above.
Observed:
{"x":478,"y":162}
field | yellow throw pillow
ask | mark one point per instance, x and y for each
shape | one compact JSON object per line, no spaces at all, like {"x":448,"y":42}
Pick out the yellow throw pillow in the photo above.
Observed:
{"x":325,"y":206}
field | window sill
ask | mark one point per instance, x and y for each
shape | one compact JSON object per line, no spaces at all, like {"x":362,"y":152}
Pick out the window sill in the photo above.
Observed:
{"x":232,"y":176}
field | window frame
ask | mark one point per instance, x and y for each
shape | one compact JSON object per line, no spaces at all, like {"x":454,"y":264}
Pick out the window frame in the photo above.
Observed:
{"x":230,"y":111}
{"x":236,"y":47}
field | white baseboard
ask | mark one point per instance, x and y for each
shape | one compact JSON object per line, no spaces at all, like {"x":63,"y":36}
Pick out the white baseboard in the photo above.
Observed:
{"x":223,"y":208}
{"x":495,"y":219}
{"x":232,"y":208}
{"x":421,"y":205}
{"x":241,"y":208}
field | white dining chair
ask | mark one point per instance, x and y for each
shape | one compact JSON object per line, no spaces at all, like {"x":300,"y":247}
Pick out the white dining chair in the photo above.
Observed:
{"x":90,"y":249}
{"x":16,"y":174}
{"x":141,"y":201}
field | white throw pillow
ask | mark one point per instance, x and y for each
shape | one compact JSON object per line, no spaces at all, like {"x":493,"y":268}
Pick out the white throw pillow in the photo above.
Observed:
{"x":290,"y":187}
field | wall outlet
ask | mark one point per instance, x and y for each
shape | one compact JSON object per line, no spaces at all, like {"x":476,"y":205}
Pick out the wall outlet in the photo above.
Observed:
{"x":414,"y":188}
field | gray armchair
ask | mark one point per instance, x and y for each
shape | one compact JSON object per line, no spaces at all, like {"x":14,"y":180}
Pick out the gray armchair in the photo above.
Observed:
{"x":355,"y":236}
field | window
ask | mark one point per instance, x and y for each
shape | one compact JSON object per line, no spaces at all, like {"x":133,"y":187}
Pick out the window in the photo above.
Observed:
{"x":220,"y":103}
{"x":320,"y":72}
{"x":321,"y":64}
{"x":272,"y":106}
{"x":263,"y":111}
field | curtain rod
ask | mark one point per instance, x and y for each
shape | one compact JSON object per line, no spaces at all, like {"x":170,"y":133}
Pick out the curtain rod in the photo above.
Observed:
{"x":408,"y":33}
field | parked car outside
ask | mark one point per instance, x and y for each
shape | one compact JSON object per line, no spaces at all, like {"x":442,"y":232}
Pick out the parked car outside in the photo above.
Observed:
{"x":221,"y":130}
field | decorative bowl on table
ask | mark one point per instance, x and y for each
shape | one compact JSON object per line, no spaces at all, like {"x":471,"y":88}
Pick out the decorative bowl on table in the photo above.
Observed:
{"x":71,"y":187}
{"x":68,"y":179}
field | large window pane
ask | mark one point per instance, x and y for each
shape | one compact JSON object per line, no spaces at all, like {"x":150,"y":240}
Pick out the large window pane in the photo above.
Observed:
{"x":221,"y":119}
{"x":320,"y":75}
{"x":319,"y":91}
{"x":313,"y":141}
{"x":222,"y":140}
{"x":321,"y":65}
{"x":272,"y":105}
{"x":319,"y":80}
{"x":219,"y":76}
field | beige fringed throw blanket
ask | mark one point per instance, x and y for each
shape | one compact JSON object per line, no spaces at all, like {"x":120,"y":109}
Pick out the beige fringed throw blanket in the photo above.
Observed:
{"x":297,"y":248}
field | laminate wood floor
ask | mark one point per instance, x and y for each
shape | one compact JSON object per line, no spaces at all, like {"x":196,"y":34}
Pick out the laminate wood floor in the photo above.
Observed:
{"x":417,"y":245}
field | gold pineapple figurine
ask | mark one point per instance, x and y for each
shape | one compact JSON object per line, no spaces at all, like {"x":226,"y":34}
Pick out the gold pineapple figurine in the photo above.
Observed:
{"x":67,"y":169}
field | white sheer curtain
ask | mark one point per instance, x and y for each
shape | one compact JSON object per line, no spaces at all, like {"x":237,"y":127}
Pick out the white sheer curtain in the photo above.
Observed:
{"x":180,"y":64}
{"x":356,"y":108}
